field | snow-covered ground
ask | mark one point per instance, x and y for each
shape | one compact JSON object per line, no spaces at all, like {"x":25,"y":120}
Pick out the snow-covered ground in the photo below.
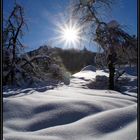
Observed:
{"x":82,"y":110}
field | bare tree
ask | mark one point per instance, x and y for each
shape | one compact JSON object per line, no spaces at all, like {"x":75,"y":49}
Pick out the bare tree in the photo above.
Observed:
{"x":12,"y":32}
{"x":16,"y":66}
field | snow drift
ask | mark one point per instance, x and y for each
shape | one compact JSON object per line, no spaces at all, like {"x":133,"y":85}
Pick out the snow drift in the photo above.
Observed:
{"x":72,"y":112}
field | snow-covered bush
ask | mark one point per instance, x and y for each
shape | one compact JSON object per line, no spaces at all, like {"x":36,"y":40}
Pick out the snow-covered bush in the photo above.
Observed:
{"x":55,"y":69}
{"x":66,"y":78}
{"x":60,"y":73}
{"x":101,"y":78}
{"x":100,"y":82}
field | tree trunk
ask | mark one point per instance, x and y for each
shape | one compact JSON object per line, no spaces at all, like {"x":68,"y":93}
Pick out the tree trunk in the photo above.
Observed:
{"x":13,"y":63}
{"x":111,"y":76}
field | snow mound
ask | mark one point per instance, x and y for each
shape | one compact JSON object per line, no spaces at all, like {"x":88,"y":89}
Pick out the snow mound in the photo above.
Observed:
{"x":72,"y":112}
{"x":89,"y":67}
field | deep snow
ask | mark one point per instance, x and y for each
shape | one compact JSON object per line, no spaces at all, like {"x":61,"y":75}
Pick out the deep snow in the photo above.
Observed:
{"x":82,"y":110}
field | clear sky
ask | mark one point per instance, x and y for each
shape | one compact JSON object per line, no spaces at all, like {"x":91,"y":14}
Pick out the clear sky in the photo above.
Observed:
{"x":43,"y":16}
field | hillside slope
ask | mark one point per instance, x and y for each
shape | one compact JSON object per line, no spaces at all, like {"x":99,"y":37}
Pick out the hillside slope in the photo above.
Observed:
{"x":73,"y":112}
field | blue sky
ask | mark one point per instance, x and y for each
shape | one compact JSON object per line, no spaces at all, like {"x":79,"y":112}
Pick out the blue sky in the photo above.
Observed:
{"x":43,"y":15}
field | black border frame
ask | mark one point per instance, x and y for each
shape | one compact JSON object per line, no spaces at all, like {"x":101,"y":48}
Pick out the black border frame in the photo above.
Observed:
{"x":1,"y":56}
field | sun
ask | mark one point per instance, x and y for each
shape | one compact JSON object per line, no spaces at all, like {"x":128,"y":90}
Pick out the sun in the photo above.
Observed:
{"x":70,"y":35}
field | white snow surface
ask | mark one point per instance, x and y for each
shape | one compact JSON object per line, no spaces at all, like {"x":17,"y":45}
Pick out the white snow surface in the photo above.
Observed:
{"x":72,"y":112}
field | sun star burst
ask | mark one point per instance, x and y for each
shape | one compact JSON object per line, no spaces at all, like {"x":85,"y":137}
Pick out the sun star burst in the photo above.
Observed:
{"x":70,"y":35}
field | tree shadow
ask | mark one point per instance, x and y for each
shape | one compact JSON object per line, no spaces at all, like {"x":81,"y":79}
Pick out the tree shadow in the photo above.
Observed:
{"x":22,"y":91}
{"x":127,"y":85}
{"x":100,"y":82}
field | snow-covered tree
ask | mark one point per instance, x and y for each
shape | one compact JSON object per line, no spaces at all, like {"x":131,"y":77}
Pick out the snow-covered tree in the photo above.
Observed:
{"x":110,"y":36}
{"x":12,"y":33}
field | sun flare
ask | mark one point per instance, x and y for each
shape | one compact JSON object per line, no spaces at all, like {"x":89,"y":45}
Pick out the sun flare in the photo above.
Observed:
{"x":70,"y":35}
